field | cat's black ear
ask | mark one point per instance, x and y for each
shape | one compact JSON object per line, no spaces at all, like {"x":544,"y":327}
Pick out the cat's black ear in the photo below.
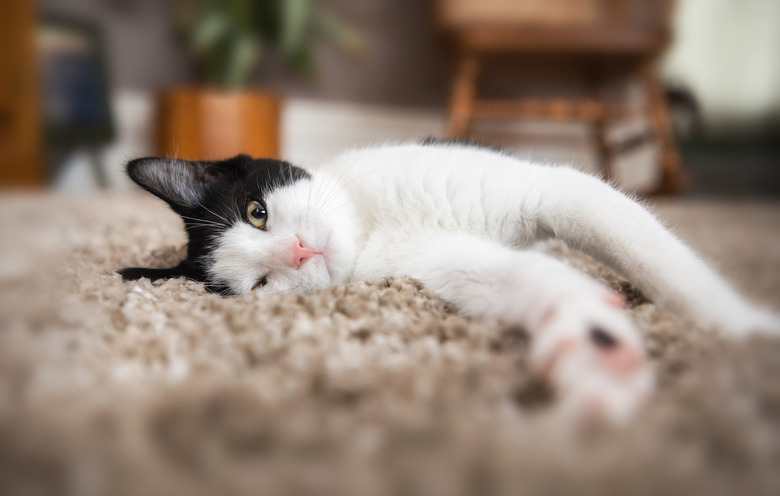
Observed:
{"x":181,"y":183}
{"x":184,"y":269}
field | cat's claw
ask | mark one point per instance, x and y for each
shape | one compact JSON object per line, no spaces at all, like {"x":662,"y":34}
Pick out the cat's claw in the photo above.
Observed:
{"x":591,"y":353}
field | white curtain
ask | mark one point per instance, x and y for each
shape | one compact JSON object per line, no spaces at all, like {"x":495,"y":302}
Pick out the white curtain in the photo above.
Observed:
{"x":728,"y":53}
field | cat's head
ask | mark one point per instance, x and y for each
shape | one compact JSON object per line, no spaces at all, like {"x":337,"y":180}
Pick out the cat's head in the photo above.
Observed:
{"x":252,"y":224}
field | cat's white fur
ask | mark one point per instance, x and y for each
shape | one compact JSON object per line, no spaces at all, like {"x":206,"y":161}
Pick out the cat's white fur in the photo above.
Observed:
{"x":463,"y":221}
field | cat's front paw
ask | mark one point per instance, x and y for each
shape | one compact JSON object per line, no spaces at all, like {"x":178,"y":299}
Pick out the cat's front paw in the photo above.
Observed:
{"x":592,"y":355}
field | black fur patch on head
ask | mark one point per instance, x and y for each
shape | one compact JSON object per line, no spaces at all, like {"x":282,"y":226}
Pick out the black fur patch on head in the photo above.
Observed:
{"x":210,"y":197}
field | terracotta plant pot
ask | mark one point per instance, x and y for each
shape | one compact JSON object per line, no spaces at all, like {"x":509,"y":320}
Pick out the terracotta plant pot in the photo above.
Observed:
{"x":207,"y":124}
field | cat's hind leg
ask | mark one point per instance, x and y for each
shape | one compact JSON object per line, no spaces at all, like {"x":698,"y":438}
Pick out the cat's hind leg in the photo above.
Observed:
{"x":590,"y":215}
{"x":582,"y":340}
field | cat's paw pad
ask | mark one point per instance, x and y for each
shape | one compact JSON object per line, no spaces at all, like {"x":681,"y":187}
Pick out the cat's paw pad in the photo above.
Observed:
{"x":592,"y":355}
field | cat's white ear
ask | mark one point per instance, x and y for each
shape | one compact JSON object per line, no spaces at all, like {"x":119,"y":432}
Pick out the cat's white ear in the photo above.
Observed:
{"x":181,"y":183}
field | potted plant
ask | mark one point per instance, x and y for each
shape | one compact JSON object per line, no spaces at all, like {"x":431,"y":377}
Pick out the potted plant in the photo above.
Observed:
{"x":227,"y":38}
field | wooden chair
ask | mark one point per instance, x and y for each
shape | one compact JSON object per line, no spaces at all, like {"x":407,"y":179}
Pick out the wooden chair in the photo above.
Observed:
{"x":601,"y":31}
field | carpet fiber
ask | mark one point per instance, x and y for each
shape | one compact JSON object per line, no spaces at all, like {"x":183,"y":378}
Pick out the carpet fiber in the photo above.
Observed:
{"x":137,"y":388}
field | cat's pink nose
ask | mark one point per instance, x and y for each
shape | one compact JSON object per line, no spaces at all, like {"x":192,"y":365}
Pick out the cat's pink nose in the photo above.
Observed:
{"x":301,"y":253}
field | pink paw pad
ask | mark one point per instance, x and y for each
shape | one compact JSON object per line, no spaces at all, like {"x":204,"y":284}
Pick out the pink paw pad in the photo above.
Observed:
{"x":619,"y":358}
{"x":615,"y":299}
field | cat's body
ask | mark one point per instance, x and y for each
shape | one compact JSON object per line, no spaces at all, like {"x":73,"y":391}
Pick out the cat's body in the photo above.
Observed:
{"x":462,"y":220}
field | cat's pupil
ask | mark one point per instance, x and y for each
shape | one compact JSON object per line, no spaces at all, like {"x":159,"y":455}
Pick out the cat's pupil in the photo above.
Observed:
{"x":257,"y":212}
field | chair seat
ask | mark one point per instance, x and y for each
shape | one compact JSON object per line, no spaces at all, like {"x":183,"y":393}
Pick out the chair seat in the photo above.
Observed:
{"x":608,"y":40}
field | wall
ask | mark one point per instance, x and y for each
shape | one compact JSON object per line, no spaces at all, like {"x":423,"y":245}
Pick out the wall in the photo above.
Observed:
{"x":142,"y":52}
{"x":728,"y":53}
{"x":405,"y":64}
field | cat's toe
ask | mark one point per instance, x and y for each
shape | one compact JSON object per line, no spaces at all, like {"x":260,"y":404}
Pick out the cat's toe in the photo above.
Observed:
{"x":592,"y":355}
{"x":601,"y":396}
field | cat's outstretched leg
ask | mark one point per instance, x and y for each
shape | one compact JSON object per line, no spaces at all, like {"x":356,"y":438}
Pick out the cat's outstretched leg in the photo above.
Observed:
{"x":590,"y":215}
{"x":582,"y":340}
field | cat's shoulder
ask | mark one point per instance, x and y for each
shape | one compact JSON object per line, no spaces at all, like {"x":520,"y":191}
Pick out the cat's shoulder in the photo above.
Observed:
{"x":424,"y":150}
{"x":445,"y":142}
{"x":439,"y":154}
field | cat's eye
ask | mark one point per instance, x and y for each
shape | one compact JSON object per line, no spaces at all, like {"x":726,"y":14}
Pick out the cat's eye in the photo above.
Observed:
{"x":262,"y":282}
{"x":256,"y":213}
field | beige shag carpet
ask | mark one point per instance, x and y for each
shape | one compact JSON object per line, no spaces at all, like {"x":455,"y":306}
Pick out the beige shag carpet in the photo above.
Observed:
{"x":113,"y":388}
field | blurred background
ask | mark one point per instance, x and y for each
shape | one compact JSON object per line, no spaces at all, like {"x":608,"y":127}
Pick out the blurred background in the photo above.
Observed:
{"x":662,"y":97}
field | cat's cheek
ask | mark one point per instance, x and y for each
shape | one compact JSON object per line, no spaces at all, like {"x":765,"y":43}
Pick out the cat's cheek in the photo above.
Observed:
{"x":342,"y":250}
{"x":339,"y":261}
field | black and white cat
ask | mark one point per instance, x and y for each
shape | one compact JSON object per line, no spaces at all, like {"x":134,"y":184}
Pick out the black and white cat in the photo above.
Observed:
{"x":462,"y":220}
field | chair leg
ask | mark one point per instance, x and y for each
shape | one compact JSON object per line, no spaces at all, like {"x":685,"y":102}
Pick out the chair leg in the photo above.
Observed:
{"x":603,"y":151}
{"x":672,"y":176}
{"x":604,"y":155}
{"x":463,"y":94}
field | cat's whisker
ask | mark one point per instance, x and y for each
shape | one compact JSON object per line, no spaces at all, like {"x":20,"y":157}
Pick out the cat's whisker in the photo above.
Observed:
{"x":330,"y":189}
{"x":323,"y":187}
{"x":331,"y":178}
{"x":202,"y":221}
{"x":334,"y":208}
{"x":195,"y":220}
{"x":295,"y":191}
{"x":343,"y":185}
{"x":227,"y":222}
{"x":335,"y":178}
{"x":199,"y":223}
{"x":202,"y":226}
{"x":309,"y":195}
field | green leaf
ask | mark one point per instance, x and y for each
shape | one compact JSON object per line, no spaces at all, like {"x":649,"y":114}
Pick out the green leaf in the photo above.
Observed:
{"x":239,"y":11}
{"x":243,"y":53}
{"x":296,"y":18}
{"x":209,"y":30}
{"x":228,"y":35}
{"x":303,"y":61}
{"x":339,"y":33}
